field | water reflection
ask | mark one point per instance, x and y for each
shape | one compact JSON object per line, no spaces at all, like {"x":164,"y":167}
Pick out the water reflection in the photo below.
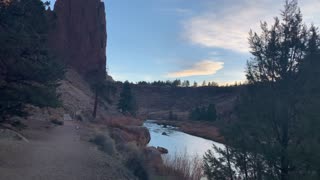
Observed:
{"x":178,"y":142}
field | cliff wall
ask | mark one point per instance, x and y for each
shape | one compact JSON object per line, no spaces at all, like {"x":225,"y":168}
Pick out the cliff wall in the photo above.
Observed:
{"x":79,"y":36}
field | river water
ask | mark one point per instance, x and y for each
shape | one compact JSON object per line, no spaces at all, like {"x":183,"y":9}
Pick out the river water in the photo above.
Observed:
{"x":178,"y":142}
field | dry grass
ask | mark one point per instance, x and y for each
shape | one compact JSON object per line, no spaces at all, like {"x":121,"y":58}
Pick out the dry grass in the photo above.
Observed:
{"x":205,"y":130}
{"x":182,"y":166}
{"x":120,"y":121}
{"x":105,"y":143}
{"x":134,"y":160}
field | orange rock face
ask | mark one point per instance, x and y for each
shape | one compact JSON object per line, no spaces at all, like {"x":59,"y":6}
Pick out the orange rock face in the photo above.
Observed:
{"x":79,"y":36}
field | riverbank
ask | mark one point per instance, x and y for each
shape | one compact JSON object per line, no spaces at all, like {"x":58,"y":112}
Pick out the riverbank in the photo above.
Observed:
{"x":205,"y":130}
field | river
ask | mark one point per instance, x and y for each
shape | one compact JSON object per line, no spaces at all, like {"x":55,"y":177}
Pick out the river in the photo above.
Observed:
{"x":178,"y":142}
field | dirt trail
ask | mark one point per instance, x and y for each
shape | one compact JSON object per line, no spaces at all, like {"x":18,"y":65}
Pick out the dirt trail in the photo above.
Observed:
{"x":57,"y":154}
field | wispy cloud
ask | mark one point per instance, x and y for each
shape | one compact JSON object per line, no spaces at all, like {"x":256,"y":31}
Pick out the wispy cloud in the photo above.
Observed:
{"x":206,"y":67}
{"x":178,"y":11}
{"x":183,"y":11}
{"x":228,"y":27}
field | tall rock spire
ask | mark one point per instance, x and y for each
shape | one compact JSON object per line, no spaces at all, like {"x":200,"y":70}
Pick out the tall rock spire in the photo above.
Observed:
{"x":80,"y":36}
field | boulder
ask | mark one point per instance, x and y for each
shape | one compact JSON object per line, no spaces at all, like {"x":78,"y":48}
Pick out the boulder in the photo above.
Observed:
{"x":67,"y":117}
{"x":165,"y":134}
{"x":162,"y":150}
{"x":138,"y":134}
{"x":153,"y":158}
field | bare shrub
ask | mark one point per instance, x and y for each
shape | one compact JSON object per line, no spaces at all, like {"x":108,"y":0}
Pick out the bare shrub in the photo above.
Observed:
{"x":134,"y":160}
{"x":184,"y":166}
{"x":105,"y":143}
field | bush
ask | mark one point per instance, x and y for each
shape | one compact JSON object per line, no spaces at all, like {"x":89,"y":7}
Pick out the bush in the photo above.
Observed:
{"x":57,"y":122}
{"x":204,"y":113}
{"x":105,"y":143}
{"x":135,"y":163}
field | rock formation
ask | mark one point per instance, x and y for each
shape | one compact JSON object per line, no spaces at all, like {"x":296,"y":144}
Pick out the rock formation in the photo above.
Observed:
{"x":79,"y":35}
{"x":162,"y":150}
{"x":126,"y":134}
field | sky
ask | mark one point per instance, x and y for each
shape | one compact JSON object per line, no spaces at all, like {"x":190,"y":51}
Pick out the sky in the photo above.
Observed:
{"x":192,"y":40}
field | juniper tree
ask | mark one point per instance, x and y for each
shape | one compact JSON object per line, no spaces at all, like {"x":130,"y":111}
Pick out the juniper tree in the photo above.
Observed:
{"x":275,"y":135}
{"x":127,"y":102}
{"x":28,"y":72}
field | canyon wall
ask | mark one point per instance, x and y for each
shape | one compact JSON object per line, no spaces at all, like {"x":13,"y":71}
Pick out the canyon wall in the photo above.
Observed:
{"x":79,"y":35}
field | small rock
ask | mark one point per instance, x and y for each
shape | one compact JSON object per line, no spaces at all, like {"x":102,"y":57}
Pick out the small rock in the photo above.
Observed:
{"x":165,"y":134}
{"x":67,"y":117}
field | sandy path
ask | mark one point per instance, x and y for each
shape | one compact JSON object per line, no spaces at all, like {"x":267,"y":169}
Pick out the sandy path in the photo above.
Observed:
{"x":58,"y":155}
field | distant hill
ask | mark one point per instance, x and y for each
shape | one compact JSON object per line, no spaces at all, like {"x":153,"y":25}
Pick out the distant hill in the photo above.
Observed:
{"x":156,"y":102}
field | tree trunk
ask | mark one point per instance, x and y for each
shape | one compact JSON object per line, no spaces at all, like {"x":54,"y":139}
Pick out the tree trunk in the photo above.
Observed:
{"x":284,"y":152}
{"x":94,"y":114}
{"x":229,"y":163}
{"x":245,"y":166}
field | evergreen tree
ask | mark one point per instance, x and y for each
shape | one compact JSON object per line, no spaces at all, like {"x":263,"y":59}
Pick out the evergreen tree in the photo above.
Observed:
{"x":28,"y":73}
{"x":211,"y":113}
{"x":127,"y":102}
{"x":101,"y":87}
{"x":214,"y":84}
{"x":187,"y":83}
{"x":276,"y":135}
{"x":204,"y":113}
{"x":172,"y":116}
{"x":219,"y":168}
{"x":195,"y":84}
{"x":195,"y":114}
{"x":308,"y":85}
{"x":204,"y":83}
{"x":176,"y":83}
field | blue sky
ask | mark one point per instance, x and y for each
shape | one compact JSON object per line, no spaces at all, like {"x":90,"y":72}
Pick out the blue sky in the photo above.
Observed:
{"x":187,"y":39}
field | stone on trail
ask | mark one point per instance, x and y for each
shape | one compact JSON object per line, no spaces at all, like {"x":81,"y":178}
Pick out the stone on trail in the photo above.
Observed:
{"x":67,"y":117}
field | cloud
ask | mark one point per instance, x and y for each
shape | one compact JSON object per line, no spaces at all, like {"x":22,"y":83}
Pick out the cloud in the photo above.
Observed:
{"x":227,"y":27}
{"x":203,"y":68}
{"x":178,"y":11}
{"x":182,"y":11}
{"x":310,"y":11}
{"x":133,"y":77}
